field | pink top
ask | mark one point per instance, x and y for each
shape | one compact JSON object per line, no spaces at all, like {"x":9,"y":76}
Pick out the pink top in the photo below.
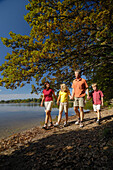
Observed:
{"x":48,"y":94}
{"x":96,"y":96}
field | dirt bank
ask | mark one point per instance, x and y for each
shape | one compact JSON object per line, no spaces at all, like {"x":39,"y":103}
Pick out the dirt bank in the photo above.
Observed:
{"x":62,"y":148}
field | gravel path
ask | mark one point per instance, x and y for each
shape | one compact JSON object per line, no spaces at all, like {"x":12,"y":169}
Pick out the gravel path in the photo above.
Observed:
{"x":72,"y":147}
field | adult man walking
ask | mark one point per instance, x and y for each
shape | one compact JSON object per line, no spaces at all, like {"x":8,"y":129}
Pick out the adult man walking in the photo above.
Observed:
{"x":80,"y":88}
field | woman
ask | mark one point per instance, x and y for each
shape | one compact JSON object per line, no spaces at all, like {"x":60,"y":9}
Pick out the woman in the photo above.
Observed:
{"x":47,"y":96}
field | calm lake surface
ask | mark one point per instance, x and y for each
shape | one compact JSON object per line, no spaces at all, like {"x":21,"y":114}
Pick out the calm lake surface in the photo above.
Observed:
{"x":15,"y":118}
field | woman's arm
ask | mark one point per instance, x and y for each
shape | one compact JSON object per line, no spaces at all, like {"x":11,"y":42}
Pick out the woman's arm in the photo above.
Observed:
{"x":54,"y":96}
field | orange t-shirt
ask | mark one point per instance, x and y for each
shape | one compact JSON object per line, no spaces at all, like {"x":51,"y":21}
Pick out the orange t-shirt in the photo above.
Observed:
{"x":79,"y":86}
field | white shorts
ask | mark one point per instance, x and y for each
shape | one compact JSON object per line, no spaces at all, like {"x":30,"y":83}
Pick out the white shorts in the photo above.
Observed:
{"x":63,"y":106}
{"x":48,"y":105}
{"x":96,"y":107}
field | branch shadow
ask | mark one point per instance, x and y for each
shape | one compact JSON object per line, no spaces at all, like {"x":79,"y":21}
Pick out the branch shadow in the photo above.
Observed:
{"x":75,"y":149}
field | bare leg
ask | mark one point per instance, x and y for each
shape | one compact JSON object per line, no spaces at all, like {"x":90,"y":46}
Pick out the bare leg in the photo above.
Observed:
{"x":50,"y":118}
{"x":76,"y":111}
{"x":47,"y":116}
{"x":59,"y":117}
{"x":81,"y":116}
{"x":98,"y":115}
{"x":66,"y":114}
{"x":81,"y":113}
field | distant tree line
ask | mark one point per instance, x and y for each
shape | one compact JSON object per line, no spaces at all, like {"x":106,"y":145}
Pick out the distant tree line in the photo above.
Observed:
{"x":32,"y":100}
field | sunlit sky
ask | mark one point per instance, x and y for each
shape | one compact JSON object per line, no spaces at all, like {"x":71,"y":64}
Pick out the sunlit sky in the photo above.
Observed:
{"x":12,"y":19}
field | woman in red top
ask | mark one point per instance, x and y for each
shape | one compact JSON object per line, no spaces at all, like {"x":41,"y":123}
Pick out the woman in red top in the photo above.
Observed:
{"x":47,"y":96}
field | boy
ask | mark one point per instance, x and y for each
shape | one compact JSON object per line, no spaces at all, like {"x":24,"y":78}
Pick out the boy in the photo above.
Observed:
{"x":97,"y":96}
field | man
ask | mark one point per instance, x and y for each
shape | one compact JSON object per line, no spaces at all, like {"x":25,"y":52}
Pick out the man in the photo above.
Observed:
{"x":80,"y":88}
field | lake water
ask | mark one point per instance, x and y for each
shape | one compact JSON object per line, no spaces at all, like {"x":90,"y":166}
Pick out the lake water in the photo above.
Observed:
{"x":15,"y":118}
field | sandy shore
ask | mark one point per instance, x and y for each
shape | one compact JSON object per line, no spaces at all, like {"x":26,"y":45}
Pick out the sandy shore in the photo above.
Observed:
{"x":63,"y":147}
{"x":7,"y":131}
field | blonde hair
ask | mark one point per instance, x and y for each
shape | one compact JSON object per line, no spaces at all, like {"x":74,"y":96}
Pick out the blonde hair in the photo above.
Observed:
{"x":78,"y":71}
{"x":64,"y":87}
{"x":94,"y":84}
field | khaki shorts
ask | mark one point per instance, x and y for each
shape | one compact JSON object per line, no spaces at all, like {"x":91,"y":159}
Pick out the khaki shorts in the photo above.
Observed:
{"x":79,"y":101}
{"x":63,"y":106}
{"x":48,"y":105}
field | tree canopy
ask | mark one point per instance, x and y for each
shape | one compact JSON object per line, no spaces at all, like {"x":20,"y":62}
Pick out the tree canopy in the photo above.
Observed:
{"x":65,"y":35}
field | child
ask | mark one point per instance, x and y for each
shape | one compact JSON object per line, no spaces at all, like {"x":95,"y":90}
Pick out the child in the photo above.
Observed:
{"x":97,"y":96}
{"x":63,"y":97}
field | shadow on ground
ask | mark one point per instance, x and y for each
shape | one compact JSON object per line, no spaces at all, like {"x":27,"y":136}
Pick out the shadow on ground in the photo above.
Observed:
{"x":74,"y":149}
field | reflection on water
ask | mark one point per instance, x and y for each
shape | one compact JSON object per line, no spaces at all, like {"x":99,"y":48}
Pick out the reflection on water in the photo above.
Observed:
{"x":15,"y":117}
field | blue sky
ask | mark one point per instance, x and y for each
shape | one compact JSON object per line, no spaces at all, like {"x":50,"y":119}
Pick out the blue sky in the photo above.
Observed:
{"x":12,"y":19}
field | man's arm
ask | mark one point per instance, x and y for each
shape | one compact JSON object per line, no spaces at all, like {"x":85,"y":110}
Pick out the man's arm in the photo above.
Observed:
{"x":87,"y":91}
{"x":73,"y":93}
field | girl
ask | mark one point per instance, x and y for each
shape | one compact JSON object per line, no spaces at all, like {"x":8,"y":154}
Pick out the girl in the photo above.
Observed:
{"x":63,"y":97}
{"x":47,"y":96}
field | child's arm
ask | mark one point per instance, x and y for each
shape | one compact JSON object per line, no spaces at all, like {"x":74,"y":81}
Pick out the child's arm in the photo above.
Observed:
{"x":69,"y":94}
{"x":102,"y":101}
{"x":43,"y":98}
{"x":73,"y":93}
{"x":89,"y":96}
{"x":58,"y":100}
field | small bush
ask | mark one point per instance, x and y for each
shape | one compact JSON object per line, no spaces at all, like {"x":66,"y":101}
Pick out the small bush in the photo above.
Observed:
{"x":88,"y":105}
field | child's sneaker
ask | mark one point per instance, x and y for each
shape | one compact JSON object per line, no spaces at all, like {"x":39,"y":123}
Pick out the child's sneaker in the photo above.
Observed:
{"x":98,"y":121}
{"x":77,"y":122}
{"x":56,"y":125}
{"x":65,"y":124}
{"x":44,"y":127}
{"x":51,"y":125}
{"x":81,"y":125}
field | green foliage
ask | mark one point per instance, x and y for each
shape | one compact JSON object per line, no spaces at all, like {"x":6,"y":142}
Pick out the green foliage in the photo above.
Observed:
{"x":65,"y":35}
{"x":88,"y":105}
{"x":103,"y":76}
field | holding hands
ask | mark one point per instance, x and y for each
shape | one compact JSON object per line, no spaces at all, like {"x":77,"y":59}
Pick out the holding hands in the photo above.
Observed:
{"x":71,"y":97}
